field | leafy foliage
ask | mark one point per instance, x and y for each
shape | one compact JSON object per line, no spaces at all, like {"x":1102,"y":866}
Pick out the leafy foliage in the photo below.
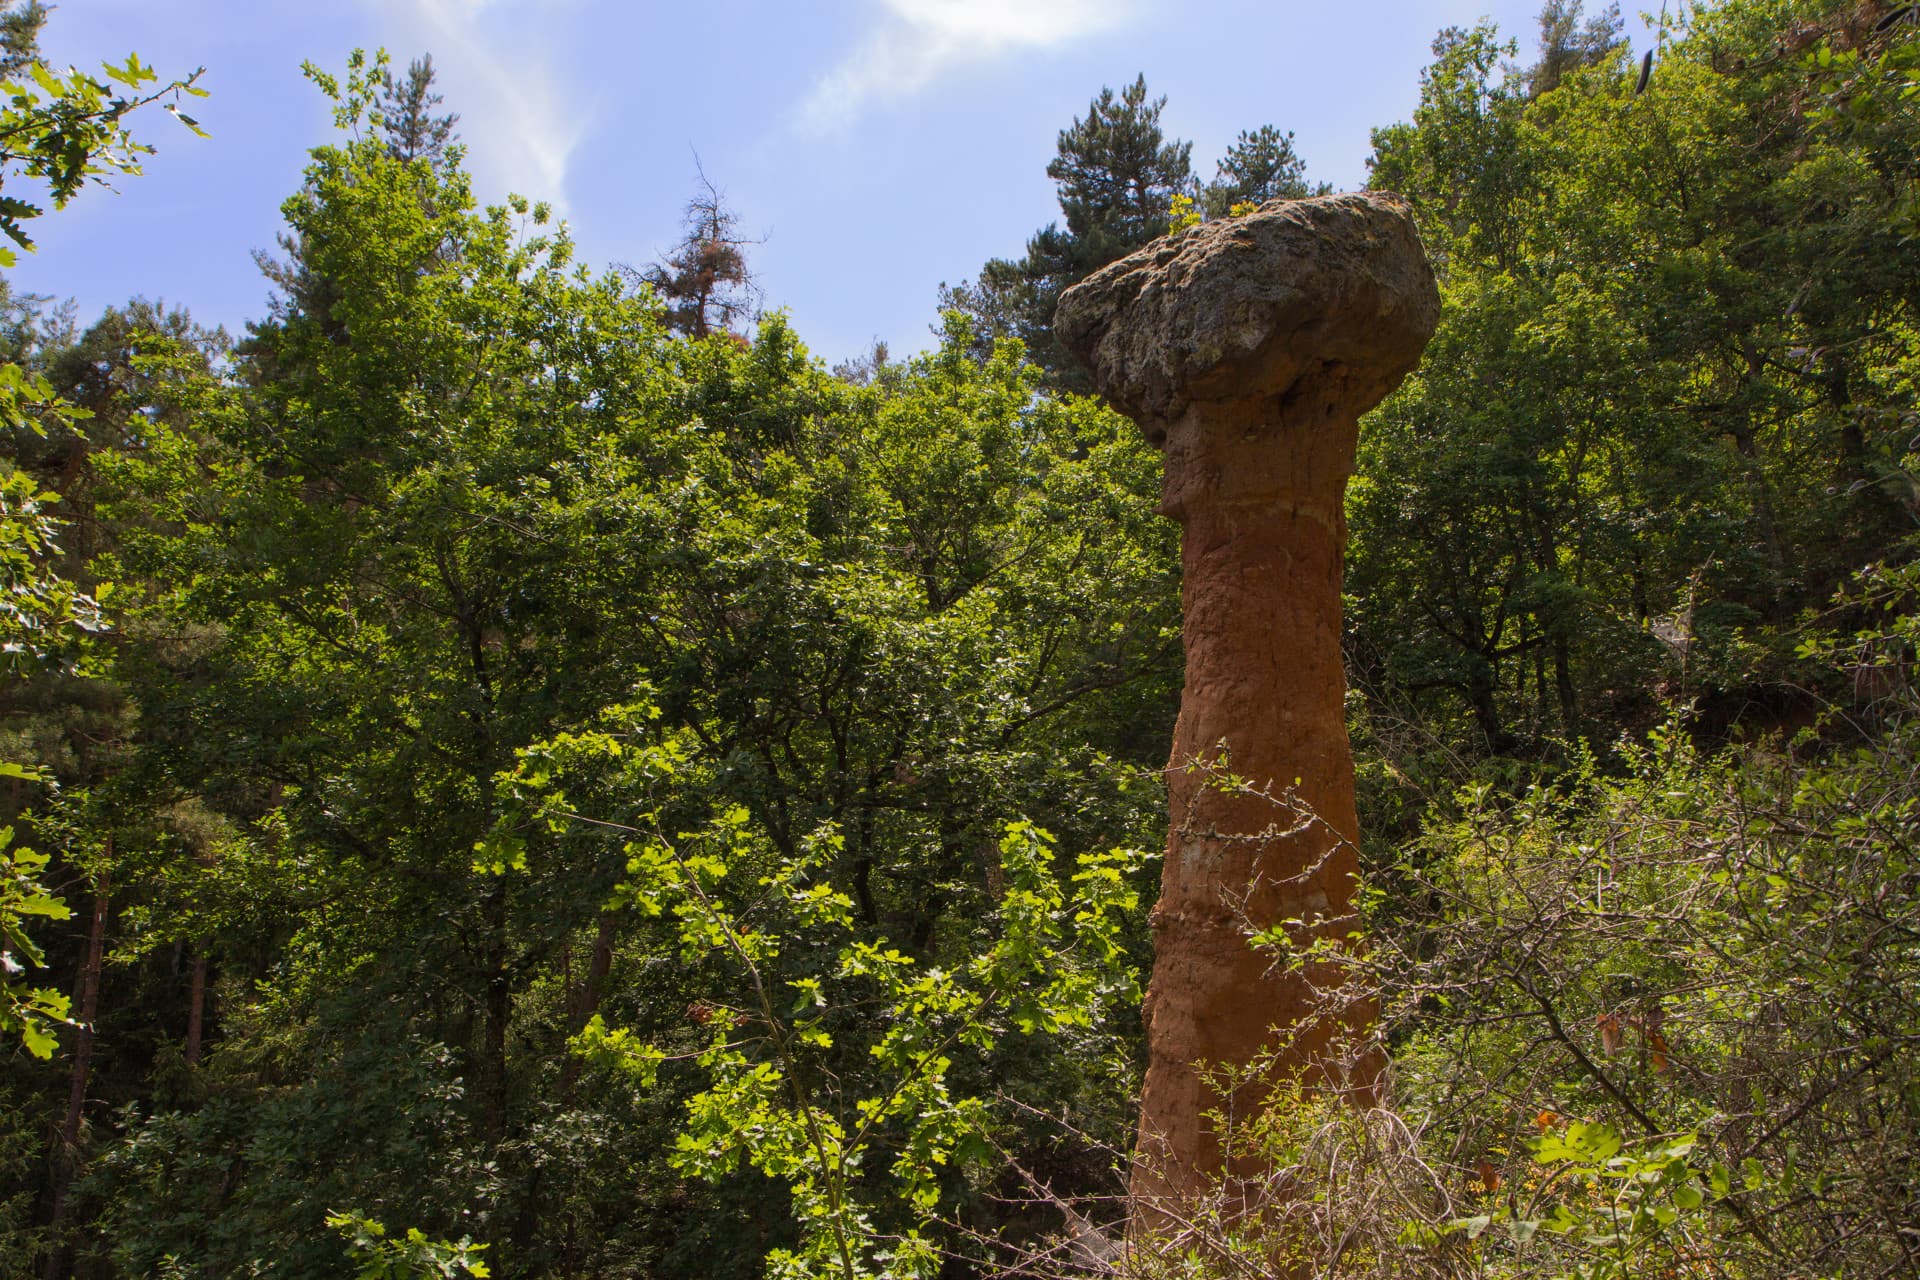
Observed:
{"x":548,"y":782}
{"x":379,"y":1257}
{"x":26,"y":1012}
{"x":64,"y":130}
{"x":67,"y":129}
{"x":784,"y":1092}
{"x":1659,"y":419}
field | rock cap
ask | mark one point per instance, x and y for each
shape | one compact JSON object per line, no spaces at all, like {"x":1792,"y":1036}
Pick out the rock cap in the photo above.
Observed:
{"x":1254,"y":306}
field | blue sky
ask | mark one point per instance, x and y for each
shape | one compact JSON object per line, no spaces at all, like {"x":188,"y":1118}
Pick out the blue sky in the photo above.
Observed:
{"x":880,"y":146}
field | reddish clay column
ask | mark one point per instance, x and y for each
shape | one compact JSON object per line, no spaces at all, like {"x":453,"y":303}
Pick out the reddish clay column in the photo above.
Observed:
{"x":1247,"y":350}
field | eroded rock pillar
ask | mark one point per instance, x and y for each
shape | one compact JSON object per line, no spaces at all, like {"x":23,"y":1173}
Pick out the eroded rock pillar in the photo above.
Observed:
{"x":1247,"y":350}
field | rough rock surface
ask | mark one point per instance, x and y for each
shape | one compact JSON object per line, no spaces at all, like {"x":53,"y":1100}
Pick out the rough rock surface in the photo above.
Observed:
{"x":1247,"y":349}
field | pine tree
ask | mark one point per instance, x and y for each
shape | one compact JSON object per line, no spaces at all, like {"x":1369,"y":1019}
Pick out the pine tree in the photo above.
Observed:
{"x":406,"y":108}
{"x":1567,"y":44}
{"x":705,"y":282}
{"x":404,"y":112}
{"x":1258,"y":167}
{"x":20,"y":36}
{"x":1117,"y":176}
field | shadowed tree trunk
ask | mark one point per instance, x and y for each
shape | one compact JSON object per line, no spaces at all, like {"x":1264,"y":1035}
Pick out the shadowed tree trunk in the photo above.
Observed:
{"x":86,"y":1009}
{"x":197,"y":1003}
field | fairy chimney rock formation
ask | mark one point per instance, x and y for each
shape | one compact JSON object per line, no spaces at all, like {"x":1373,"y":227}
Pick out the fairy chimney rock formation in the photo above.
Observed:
{"x":1247,"y":349}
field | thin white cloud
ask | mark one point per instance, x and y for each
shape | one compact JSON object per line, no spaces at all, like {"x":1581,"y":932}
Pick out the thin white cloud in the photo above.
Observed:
{"x":518,"y":125}
{"x":916,"y":40}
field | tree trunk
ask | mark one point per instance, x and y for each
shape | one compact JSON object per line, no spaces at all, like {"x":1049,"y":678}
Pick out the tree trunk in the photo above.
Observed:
{"x":197,"y":1003}
{"x":498,"y":1009}
{"x":1483,"y":682}
{"x":598,"y":966}
{"x":87,"y":1007}
{"x":587,"y":1000}
{"x":1563,"y":682}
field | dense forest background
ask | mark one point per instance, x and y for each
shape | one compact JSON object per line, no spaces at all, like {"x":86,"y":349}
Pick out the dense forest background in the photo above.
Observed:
{"x":515,"y":766}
